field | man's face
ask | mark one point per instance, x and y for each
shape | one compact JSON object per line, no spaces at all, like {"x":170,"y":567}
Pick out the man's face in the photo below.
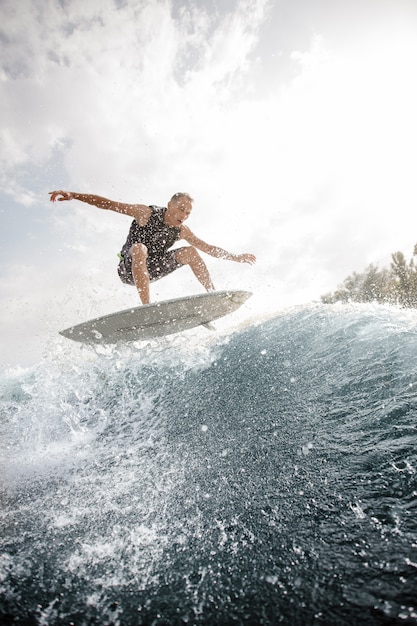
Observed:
{"x":178,"y":211}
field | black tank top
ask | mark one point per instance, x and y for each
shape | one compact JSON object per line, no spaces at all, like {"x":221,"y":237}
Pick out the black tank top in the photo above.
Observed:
{"x":155,"y":235}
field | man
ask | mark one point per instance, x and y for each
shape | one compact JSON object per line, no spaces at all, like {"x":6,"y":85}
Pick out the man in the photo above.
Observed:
{"x":146,"y":255}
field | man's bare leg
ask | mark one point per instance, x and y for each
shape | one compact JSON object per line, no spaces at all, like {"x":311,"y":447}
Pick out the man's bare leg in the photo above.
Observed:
{"x":140,"y":273}
{"x":189,"y":256}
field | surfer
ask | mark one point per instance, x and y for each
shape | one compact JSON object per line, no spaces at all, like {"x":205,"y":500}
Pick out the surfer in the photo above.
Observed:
{"x":146,"y":255}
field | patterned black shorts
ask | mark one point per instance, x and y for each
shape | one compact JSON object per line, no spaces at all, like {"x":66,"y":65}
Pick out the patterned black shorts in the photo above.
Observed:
{"x":158,"y":267}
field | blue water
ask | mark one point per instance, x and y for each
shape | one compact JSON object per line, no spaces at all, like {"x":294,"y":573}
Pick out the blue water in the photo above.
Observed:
{"x":263,"y":476}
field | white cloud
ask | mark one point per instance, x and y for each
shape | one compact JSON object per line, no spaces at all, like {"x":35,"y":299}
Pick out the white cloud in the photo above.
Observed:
{"x":106,"y":81}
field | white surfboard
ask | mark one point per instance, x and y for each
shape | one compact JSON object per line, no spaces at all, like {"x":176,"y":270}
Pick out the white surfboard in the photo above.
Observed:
{"x":155,"y":320}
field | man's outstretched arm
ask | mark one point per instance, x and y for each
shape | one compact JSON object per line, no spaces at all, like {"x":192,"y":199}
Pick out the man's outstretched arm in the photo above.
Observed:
{"x":140,"y":212}
{"x":215,"y":251}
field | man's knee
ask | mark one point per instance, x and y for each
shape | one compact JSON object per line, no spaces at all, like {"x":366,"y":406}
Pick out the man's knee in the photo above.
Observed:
{"x":139,"y":252}
{"x":188,"y":255}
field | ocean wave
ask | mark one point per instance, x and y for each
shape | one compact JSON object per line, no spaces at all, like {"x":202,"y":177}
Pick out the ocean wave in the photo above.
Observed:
{"x":266,"y":475}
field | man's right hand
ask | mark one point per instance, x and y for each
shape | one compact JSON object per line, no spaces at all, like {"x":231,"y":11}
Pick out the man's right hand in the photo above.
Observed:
{"x":66,"y":195}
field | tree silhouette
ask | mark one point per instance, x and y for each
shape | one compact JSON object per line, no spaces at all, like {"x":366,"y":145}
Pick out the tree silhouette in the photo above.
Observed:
{"x":395,"y":285}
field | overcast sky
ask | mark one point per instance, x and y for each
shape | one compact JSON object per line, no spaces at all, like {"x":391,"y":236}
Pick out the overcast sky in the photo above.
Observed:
{"x":292,"y":123}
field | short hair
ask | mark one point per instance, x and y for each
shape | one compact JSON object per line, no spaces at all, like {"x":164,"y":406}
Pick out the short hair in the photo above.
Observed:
{"x":181,"y":194}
